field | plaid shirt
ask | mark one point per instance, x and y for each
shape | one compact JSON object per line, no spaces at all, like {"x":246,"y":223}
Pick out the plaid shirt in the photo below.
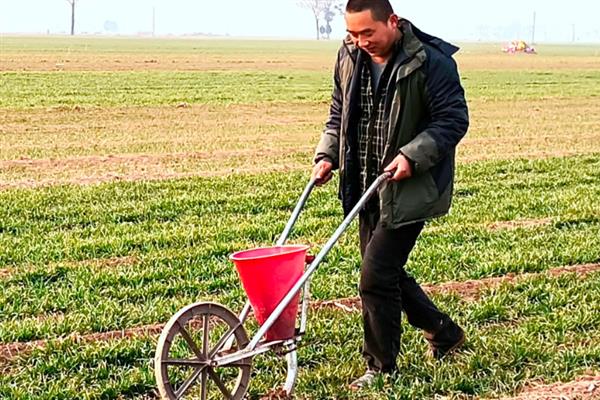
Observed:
{"x":371,"y":132}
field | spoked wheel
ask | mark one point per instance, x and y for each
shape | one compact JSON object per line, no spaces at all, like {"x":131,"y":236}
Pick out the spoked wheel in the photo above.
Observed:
{"x":192,"y":338}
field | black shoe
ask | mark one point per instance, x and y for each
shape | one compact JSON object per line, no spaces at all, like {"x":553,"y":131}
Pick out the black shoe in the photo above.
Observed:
{"x":446,"y":340}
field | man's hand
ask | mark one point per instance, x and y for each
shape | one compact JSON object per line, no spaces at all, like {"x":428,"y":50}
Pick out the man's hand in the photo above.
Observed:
{"x":401,"y":168}
{"x":322,"y":172}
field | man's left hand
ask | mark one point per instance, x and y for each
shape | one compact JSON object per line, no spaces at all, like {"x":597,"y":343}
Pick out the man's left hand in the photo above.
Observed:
{"x":401,"y":168}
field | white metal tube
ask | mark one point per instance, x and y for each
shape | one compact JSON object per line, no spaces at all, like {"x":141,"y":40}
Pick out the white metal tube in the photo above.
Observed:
{"x":305,"y":301}
{"x":242,"y":317}
{"x":292,"y":372}
{"x":245,"y":311}
{"x":290,"y":224}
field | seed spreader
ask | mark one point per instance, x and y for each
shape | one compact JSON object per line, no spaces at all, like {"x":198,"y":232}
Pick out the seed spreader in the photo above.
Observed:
{"x":204,"y":351}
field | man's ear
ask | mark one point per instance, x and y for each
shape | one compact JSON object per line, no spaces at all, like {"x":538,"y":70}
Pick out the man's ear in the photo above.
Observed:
{"x":393,"y":21}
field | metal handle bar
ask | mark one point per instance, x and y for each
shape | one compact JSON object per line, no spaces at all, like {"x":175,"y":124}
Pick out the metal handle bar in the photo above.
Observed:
{"x":313,"y":266}
{"x":296,"y":212}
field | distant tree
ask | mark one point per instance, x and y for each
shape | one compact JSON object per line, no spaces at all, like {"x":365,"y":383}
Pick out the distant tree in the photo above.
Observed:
{"x":329,"y":12}
{"x":72,"y":4}
{"x":322,"y":9}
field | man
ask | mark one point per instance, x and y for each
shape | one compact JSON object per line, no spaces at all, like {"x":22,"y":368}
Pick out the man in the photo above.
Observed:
{"x":397,"y":105}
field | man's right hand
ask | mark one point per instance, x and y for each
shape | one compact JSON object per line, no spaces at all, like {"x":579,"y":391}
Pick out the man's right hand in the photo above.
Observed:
{"x":322,"y":172}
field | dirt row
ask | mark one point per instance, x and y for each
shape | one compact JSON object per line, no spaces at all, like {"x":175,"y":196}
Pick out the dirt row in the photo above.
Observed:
{"x":500,"y":225}
{"x":146,"y":173}
{"x":94,"y":170}
{"x":88,"y":145}
{"x":583,"y":388}
{"x":520,"y":223}
{"x":470,"y":289}
{"x":18,"y":349}
{"x":319,"y":58}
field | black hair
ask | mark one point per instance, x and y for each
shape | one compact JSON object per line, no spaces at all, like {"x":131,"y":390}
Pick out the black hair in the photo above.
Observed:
{"x":380,"y":9}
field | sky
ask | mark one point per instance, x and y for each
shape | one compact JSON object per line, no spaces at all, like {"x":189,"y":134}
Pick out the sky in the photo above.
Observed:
{"x":466,"y":20}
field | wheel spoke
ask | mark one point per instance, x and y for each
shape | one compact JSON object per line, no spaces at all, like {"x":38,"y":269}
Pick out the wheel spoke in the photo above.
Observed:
{"x":204,"y":381}
{"x":188,"y":383}
{"x":219,"y":383}
{"x":185,"y":362}
{"x":190,"y":342}
{"x":205,"y":338}
{"x":222,"y":341}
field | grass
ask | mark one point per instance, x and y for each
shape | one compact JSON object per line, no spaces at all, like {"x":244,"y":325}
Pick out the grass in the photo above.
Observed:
{"x":82,"y":259}
{"x":105,"y":89}
{"x":94,"y":124}
{"x":541,"y":328}
{"x":129,"y":45}
{"x":160,"y":88}
{"x":198,"y":54}
{"x":181,"y":232}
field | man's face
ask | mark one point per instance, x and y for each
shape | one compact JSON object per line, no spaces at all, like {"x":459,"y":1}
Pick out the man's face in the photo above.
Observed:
{"x":374,"y":37}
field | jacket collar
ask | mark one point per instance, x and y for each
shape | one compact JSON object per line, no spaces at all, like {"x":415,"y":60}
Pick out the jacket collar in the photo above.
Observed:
{"x":446,"y":48}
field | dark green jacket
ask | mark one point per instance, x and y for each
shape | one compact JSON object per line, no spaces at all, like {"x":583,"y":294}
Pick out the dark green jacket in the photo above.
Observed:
{"x":426,"y":116}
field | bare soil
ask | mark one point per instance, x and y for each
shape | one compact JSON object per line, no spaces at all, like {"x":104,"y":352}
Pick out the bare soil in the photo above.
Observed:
{"x":526,"y":62}
{"x":11,"y":350}
{"x":311,"y":60}
{"x":43,"y":147}
{"x":276,"y":394}
{"x":536,"y":128}
{"x":520,"y":223}
{"x":48,"y":62}
{"x":583,"y":388}
{"x":470,"y":289}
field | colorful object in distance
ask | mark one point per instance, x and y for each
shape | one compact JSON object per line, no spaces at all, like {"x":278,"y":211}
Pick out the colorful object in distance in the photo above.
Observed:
{"x":518,"y":46}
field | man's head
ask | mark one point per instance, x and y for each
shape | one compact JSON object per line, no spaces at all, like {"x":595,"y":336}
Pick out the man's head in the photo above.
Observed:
{"x":372,"y":25}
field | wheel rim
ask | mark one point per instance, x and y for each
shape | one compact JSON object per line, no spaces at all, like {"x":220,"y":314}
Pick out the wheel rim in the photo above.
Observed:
{"x":189,"y":342}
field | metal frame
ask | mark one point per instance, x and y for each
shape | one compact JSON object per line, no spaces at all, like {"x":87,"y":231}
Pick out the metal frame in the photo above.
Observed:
{"x":256,"y":346}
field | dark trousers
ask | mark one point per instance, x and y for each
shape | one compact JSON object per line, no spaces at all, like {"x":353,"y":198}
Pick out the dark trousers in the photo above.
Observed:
{"x":386,"y":290}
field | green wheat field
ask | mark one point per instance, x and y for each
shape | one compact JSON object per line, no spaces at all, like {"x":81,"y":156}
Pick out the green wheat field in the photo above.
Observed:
{"x":130,"y":169}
